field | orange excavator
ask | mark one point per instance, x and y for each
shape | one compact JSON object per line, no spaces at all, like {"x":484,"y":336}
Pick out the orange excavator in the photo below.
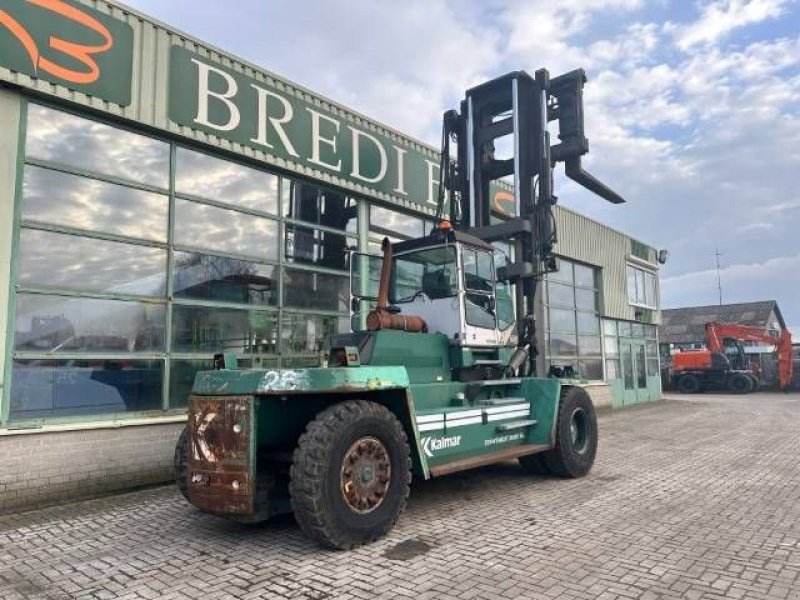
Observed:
{"x":723,"y":364}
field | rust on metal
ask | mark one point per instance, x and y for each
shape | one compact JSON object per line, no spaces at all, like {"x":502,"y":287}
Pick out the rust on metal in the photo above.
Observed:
{"x":380,"y":317}
{"x":220,"y":477}
{"x":487,"y":459}
{"x":365,"y":474}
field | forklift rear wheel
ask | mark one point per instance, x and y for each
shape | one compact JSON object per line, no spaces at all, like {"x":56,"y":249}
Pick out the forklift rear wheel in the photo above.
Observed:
{"x":180,"y":462}
{"x":739,"y":383}
{"x":576,"y":435}
{"x":350,"y":474}
{"x":688,"y":384}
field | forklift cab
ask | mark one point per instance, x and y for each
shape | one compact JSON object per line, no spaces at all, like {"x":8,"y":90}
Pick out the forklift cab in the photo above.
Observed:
{"x":449,"y":279}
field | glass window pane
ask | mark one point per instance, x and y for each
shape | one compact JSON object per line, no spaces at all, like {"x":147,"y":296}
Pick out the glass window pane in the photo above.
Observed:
{"x":564,"y":274}
{"x":561,"y":295}
{"x":478,"y":270}
{"x":316,"y":247}
{"x":477,"y":311}
{"x":650,"y":332}
{"x":70,"y":262}
{"x":650,"y":290}
{"x":631,"y":275}
{"x":641,"y":368}
{"x":625,"y":328}
{"x":561,"y":320}
{"x":586,"y":299}
{"x":652,"y":367}
{"x":396,"y":222}
{"x":611,"y":346}
{"x":589,"y":345}
{"x":652,"y":348}
{"x":204,"y":226}
{"x":637,"y":330}
{"x":206,"y":277}
{"x":588,"y":323}
{"x":627,"y":366}
{"x":303,"y":336}
{"x":612,"y":369}
{"x":640,"y":298}
{"x":591,"y":369}
{"x":64,"y":138}
{"x":585,"y":276}
{"x":62,"y":199}
{"x":321,"y":206}
{"x":609,"y":327}
{"x":563,"y":345}
{"x":320,"y":291}
{"x":59,"y":388}
{"x":206,"y":330}
{"x":225,"y":181}
{"x":62,"y":324}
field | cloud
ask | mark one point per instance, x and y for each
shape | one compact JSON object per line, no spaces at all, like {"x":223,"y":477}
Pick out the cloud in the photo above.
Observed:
{"x":722,"y":17}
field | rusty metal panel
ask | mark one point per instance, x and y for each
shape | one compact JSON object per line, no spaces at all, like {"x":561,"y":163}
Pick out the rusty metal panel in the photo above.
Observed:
{"x":222,"y":454}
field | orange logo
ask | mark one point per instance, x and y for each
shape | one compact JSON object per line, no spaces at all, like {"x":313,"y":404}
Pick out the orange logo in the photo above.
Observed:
{"x":502,"y":196}
{"x":80,"y":52}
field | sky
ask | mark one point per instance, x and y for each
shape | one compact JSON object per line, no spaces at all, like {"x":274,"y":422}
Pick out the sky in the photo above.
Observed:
{"x":692,"y":108}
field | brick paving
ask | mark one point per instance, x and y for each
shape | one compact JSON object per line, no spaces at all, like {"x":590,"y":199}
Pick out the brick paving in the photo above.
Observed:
{"x":692,"y":498}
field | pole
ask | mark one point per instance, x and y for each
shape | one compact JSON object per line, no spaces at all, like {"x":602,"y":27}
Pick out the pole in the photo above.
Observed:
{"x":719,"y":280}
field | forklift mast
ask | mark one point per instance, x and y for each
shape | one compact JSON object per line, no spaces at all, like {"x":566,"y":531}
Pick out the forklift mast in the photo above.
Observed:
{"x":519,"y":106}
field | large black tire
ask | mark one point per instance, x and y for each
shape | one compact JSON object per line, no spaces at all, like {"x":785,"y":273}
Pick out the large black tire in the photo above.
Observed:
{"x":689,"y":384}
{"x":180,"y":462}
{"x":576,"y":435}
{"x":740,"y":383}
{"x":346,"y":446}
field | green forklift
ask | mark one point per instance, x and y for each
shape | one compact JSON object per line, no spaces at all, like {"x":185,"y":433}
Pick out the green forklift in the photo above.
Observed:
{"x":439,"y":373}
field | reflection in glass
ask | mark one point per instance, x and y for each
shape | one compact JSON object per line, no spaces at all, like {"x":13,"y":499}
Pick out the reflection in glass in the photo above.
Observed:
{"x":585,"y":276}
{"x":62,"y":324}
{"x":612,"y":368}
{"x":564,"y":273}
{"x":53,"y":388}
{"x":586,"y":299}
{"x":589,"y":345}
{"x":611,"y":346}
{"x":181,"y":379}
{"x":316,"y":247}
{"x":321,"y":206}
{"x":206,"y":277}
{"x":305,"y":334}
{"x":205,"y":226}
{"x":588,"y":323}
{"x":64,"y":138}
{"x":385,"y":220}
{"x":641,"y":368}
{"x":563,"y":345}
{"x":591,"y":369}
{"x":562,"y":295}
{"x":62,"y":199}
{"x":561,"y":320}
{"x":225,"y":181}
{"x":627,"y":366}
{"x":206,"y":330}
{"x":319,"y":291}
{"x":71,"y":262}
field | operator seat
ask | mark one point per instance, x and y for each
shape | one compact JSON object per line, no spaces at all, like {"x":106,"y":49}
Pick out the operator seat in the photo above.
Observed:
{"x":436,"y":285}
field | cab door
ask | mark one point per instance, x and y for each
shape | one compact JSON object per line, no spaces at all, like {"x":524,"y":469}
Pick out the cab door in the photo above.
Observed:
{"x":479,"y":308}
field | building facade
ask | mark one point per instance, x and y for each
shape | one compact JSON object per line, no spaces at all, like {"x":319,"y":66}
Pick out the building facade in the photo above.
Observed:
{"x":161,"y":201}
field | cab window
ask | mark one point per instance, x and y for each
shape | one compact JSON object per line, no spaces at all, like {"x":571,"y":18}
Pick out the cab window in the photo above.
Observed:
{"x":479,"y":284}
{"x":431,"y":272}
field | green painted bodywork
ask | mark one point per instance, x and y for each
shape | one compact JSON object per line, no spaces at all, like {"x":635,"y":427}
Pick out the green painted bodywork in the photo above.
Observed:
{"x":446,"y":420}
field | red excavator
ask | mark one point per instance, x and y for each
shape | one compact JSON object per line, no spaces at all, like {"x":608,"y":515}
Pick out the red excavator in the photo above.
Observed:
{"x":723,"y":364}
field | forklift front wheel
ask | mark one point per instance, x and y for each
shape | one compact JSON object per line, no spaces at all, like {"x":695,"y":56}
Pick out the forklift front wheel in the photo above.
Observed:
{"x":576,"y":435}
{"x":350,"y":474}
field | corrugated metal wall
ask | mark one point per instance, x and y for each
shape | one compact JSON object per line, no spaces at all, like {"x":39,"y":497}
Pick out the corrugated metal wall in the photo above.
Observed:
{"x":588,"y":241}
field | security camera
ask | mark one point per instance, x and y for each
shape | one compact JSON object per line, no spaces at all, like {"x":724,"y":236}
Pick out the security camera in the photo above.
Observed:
{"x":662,"y":256}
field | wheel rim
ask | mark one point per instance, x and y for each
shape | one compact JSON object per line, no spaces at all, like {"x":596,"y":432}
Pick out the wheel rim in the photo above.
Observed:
{"x":365,"y":475}
{"x":579,"y":430}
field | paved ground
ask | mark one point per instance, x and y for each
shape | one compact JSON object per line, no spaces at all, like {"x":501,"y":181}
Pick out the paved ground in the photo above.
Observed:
{"x":691,"y":499}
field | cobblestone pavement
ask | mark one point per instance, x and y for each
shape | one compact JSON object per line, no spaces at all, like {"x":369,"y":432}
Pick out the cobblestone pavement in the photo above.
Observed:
{"x":690,"y":498}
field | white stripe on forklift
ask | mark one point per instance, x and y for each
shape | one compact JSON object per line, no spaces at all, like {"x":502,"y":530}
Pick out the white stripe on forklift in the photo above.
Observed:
{"x":511,"y":415}
{"x":505,"y":409}
{"x":461,"y":422}
{"x":429,"y":418}
{"x":431,"y":426}
{"x":462,"y":414}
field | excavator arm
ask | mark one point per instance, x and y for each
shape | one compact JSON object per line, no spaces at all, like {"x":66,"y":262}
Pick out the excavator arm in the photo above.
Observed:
{"x":716,"y":333}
